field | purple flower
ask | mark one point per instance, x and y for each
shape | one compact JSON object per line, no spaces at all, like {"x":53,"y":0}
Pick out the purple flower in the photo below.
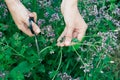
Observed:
{"x":54,"y":17}
{"x":46,"y":14}
{"x":41,"y":21}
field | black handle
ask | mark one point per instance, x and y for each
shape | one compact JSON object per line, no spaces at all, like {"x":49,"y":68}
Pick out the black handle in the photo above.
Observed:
{"x":31,"y":19}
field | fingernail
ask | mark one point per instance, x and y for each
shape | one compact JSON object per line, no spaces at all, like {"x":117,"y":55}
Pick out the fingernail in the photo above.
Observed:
{"x":38,"y":31}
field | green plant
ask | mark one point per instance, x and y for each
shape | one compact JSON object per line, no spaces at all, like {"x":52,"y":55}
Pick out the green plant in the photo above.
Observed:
{"x":95,"y":57}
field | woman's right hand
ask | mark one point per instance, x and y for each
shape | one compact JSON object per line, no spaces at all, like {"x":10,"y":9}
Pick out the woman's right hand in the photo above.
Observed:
{"x":21,"y":16}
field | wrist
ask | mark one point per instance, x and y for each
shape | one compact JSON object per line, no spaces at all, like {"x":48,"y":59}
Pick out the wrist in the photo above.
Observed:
{"x":70,"y":3}
{"x":9,"y":1}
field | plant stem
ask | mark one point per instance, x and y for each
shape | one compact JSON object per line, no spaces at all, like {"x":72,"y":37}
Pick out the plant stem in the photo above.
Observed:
{"x":12,"y":49}
{"x":59,"y":64}
{"x":44,"y":49}
{"x":78,"y":55}
{"x":74,"y":67}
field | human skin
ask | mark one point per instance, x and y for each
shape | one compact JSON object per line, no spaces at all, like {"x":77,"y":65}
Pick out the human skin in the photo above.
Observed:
{"x":75,"y":24}
{"x":21,"y":16}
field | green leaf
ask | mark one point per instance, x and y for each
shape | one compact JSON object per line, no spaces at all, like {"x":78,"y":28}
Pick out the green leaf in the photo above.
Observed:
{"x":53,"y":73}
{"x":18,"y":72}
{"x":26,"y":1}
{"x":1,"y":56}
{"x":41,"y":68}
{"x":112,"y":1}
{"x":2,"y":27}
{"x":24,"y":48}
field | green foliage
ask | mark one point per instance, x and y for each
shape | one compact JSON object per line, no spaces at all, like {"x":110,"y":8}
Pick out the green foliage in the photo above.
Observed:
{"x":26,"y":1}
{"x":95,"y":57}
{"x":18,"y":72}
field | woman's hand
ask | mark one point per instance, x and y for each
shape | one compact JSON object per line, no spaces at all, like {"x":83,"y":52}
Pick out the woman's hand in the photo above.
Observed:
{"x":21,"y":16}
{"x":75,"y":25}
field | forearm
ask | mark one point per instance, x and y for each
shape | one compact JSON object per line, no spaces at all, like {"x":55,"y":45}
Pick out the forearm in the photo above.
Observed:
{"x":70,"y":3}
{"x":14,"y":5}
{"x":68,"y":6}
{"x":11,"y":2}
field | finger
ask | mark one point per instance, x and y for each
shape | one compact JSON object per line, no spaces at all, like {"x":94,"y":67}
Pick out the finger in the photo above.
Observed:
{"x":81,"y":34}
{"x":25,"y":29}
{"x":60,"y":44}
{"x":68,"y":37}
{"x":36,"y":29}
{"x":75,"y":34}
{"x":62,"y":35}
{"x":34,"y":15}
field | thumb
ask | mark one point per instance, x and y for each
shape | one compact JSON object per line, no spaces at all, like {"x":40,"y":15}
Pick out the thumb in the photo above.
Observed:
{"x":34,"y":15}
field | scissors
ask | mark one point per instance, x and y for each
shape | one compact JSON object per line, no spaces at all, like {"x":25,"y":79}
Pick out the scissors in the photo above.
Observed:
{"x":31,"y":19}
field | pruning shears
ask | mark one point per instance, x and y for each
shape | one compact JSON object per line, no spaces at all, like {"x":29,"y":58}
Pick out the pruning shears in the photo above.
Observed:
{"x":31,"y":19}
